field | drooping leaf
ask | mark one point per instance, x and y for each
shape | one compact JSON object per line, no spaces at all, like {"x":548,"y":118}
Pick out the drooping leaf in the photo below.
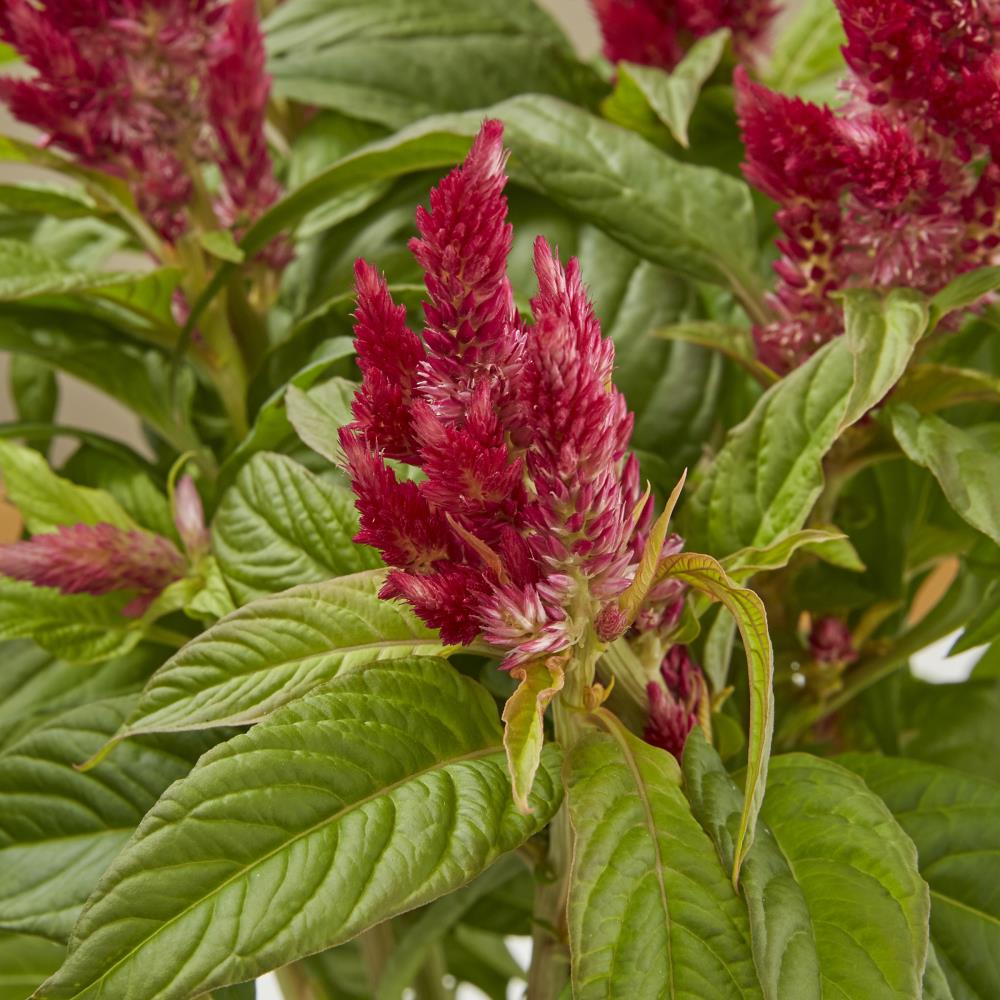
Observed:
{"x":930,"y":387}
{"x":705,"y":575}
{"x":828,"y":852}
{"x":277,"y":649}
{"x":984,"y":627}
{"x":964,"y":291}
{"x":33,"y":386}
{"x":400,"y":60}
{"x":279,"y":525}
{"x":652,"y":912}
{"x":59,"y":828}
{"x":831,"y":546}
{"x":768,"y":475}
{"x":318,"y":413}
{"x":59,"y":200}
{"x":539,"y":681}
{"x":382,"y":792}
{"x":76,"y":627}
{"x":967,"y":467}
{"x":670,"y":97}
{"x":729,"y":339}
{"x":46,"y":500}
{"x":952,"y":819}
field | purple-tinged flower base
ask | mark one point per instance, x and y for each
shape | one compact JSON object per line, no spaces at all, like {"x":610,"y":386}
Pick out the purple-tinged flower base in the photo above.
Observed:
{"x":830,"y":641}
{"x":96,"y":559}
{"x":529,"y":520}
{"x":674,"y":701}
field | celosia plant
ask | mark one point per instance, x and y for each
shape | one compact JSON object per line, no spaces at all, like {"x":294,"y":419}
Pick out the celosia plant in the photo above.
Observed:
{"x":484,"y":546}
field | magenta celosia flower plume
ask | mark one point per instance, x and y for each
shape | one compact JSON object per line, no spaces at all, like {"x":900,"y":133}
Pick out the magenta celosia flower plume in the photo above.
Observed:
{"x":897,"y":189}
{"x":657,"y":32}
{"x":145,"y":89}
{"x":96,"y":559}
{"x":526,"y":522}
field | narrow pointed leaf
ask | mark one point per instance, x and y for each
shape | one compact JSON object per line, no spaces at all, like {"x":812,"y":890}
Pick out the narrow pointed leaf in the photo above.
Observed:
{"x":831,"y":546}
{"x":279,"y":525}
{"x":277,"y":649}
{"x":524,"y":735}
{"x":704,"y":574}
{"x":380,"y":793}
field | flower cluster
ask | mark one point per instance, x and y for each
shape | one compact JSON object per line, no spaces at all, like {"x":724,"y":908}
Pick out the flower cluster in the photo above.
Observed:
{"x":103,"y":558}
{"x":675,"y":701}
{"x":897,"y":188}
{"x":528,"y":520}
{"x":151,"y":91}
{"x":657,"y":32}
{"x":830,"y":641}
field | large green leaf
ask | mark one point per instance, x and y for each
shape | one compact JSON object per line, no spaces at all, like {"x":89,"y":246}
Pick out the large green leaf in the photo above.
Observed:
{"x":25,"y":961}
{"x":77,"y":627}
{"x":652,"y":913}
{"x":35,"y":685}
{"x":277,"y":649}
{"x":46,"y":500}
{"x":382,"y":792}
{"x":705,"y":575}
{"x":60,"y":828}
{"x":769,"y":473}
{"x":952,"y":818}
{"x":399,"y":60}
{"x":34,"y":388}
{"x":837,"y":907}
{"x":965,"y":464}
{"x":279,"y":525}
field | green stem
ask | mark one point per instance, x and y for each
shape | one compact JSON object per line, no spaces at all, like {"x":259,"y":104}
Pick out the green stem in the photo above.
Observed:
{"x":549,"y":973}
{"x":166,"y":636}
{"x":429,"y":983}
{"x":376,"y":946}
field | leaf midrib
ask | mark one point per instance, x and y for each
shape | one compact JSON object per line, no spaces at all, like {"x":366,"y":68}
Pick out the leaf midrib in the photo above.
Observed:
{"x":243,"y":872}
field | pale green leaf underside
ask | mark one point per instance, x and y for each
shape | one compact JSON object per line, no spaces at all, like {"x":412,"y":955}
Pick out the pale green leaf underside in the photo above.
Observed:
{"x":277,"y":649}
{"x":382,"y":792}
{"x":279,"y":525}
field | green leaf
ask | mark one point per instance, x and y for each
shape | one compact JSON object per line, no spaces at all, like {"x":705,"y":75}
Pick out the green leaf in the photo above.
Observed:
{"x":77,"y":627}
{"x":952,"y":819}
{"x":317,"y":414}
{"x":966,"y":290}
{"x":400,"y":60}
{"x":434,"y":923}
{"x":277,"y":649}
{"x":539,"y":681}
{"x":704,"y":574}
{"x":88,"y":348}
{"x":837,"y":906}
{"x":729,"y":339}
{"x":830,"y":546}
{"x":984,"y":627}
{"x":966,"y":468}
{"x":769,"y":473}
{"x":35,"y":685}
{"x":935,"y":982}
{"x":46,"y":500}
{"x":220,"y":243}
{"x":26,"y":960}
{"x":670,"y":96}
{"x":279,"y":525}
{"x":47,"y":199}
{"x":60,"y":828}
{"x":380,"y":793}
{"x":931,"y":387}
{"x":34,"y":388}
{"x":806,"y":58}
{"x":652,"y":913}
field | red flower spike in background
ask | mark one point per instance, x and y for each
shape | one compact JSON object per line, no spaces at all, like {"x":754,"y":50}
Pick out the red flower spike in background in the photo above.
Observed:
{"x":530,"y":518}
{"x":96,"y":559}
{"x":897,"y":189}
{"x":149,"y":90}
{"x":657,"y":32}
{"x":675,"y":701}
{"x":830,"y":641}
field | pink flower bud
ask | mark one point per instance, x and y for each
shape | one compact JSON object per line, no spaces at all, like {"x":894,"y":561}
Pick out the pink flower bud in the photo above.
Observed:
{"x":189,"y":518}
{"x":830,"y":641}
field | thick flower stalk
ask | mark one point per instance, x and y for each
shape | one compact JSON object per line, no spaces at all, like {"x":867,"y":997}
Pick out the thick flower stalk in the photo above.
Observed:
{"x":529,"y":520}
{"x":152,"y":91}
{"x":677,"y":700}
{"x":104,"y":558}
{"x":899,"y":187}
{"x":658,"y":32}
